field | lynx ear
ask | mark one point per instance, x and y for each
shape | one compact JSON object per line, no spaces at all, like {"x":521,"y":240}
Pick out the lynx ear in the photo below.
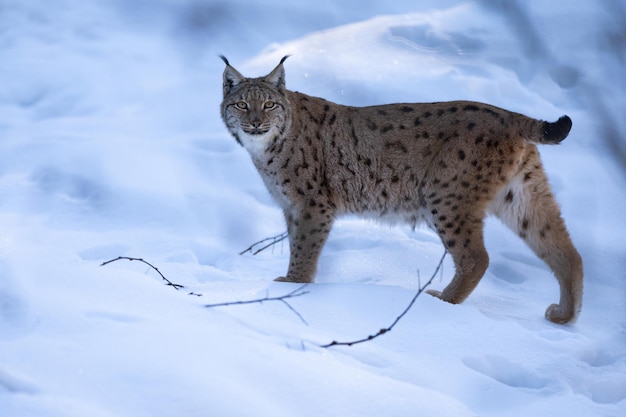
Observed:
{"x":277,"y":76}
{"x":231,"y":77}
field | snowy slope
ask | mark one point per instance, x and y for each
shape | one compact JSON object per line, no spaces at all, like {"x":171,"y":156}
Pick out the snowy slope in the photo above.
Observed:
{"x":111,"y":145}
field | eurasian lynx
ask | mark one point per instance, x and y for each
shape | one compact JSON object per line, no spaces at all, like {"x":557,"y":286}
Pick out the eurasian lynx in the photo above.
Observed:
{"x":445,"y":164}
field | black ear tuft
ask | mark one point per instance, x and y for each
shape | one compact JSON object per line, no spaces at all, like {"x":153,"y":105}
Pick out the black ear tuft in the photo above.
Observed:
{"x":231,"y":77}
{"x":277,"y":76}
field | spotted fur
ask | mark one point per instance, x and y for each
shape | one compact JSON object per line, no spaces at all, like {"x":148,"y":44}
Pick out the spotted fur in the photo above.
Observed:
{"x":444,"y":164}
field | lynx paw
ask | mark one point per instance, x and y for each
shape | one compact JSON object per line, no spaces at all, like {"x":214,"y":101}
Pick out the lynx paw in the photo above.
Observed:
{"x":287,"y":279}
{"x":434,"y":293}
{"x":560,"y":315}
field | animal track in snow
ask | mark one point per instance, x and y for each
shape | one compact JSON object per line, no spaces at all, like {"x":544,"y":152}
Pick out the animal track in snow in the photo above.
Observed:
{"x":506,"y":372}
{"x":606,"y":381}
{"x":506,"y":273}
{"x":524,"y":259}
{"x":608,"y":389}
{"x":15,"y":384}
{"x":600,"y":358}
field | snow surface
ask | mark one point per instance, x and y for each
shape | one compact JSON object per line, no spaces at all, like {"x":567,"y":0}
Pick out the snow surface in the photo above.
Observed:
{"x":111,"y":145}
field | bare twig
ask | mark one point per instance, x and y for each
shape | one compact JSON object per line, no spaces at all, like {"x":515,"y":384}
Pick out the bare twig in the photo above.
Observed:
{"x":272,"y":241}
{"x":170,"y":283}
{"x":295,"y":293}
{"x":406,"y":310}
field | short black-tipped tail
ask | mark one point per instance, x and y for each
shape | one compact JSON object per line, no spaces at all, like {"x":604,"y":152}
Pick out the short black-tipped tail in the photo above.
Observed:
{"x":557,"y":131}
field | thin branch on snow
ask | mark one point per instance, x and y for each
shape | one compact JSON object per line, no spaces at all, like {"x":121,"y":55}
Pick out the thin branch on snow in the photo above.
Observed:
{"x":295,"y":293}
{"x":272,"y":241}
{"x":170,"y":283}
{"x":406,"y":310}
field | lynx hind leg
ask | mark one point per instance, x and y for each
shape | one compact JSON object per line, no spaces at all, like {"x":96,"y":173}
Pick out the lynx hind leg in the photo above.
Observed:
{"x":527,"y":206}
{"x":463,"y":239}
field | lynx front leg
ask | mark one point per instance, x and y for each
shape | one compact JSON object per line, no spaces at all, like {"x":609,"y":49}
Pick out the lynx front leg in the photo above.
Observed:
{"x":308,"y":232}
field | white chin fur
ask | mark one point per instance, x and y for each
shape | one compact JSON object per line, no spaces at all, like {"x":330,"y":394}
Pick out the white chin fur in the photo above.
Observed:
{"x":255,"y":144}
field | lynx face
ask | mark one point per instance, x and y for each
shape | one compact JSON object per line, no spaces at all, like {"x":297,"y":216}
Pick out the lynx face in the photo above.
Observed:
{"x":255,"y":111}
{"x":445,"y":164}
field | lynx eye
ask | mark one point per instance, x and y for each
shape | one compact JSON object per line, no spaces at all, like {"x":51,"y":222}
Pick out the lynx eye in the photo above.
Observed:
{"x":242,"y":105}
{"x":269,"y":105}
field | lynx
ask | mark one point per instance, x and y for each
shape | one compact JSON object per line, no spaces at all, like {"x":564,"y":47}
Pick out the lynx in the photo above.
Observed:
{"x":446,"y":164}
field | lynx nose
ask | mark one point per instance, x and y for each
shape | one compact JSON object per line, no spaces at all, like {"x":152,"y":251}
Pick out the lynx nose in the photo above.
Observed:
{"x":255,"y":127}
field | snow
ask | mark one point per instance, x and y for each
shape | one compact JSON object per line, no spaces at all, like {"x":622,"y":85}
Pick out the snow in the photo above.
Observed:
{"x":112,"y":145}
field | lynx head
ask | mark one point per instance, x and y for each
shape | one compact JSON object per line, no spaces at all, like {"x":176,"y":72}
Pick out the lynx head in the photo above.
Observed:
{"x":255,"y":110}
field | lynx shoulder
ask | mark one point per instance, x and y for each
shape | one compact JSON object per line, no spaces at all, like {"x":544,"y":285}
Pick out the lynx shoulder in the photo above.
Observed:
{"x":444,"y":164}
